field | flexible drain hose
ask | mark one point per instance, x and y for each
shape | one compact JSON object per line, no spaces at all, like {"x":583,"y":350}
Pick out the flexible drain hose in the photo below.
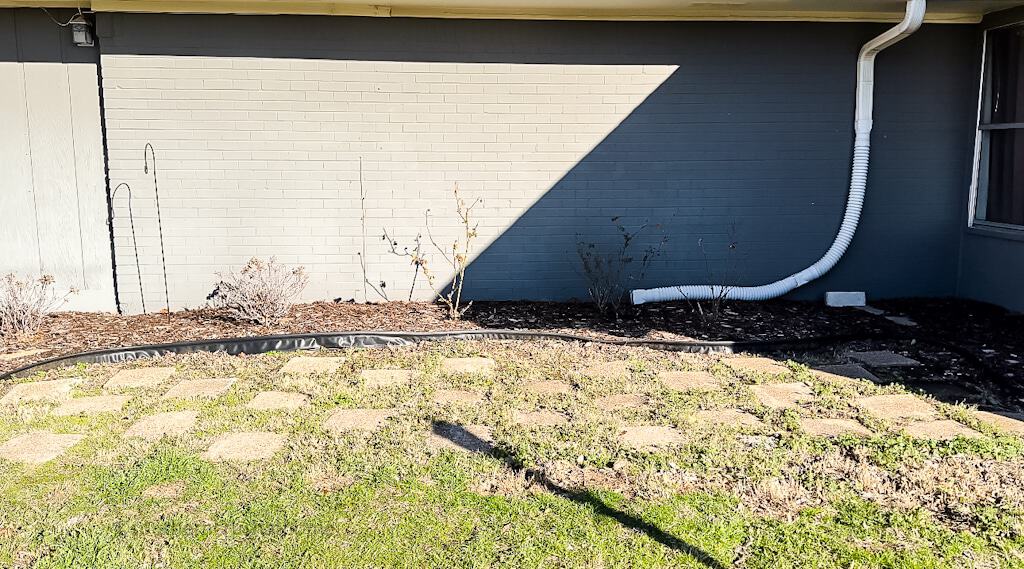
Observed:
{"x":854,"y":202}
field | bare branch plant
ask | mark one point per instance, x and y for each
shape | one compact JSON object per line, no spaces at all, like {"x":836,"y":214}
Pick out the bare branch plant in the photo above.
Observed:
{"x":24,"y":303}
{"x":261,"y":292}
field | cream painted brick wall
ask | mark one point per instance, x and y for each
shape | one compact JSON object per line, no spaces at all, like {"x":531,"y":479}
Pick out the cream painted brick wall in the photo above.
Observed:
{"x":262,"y":157}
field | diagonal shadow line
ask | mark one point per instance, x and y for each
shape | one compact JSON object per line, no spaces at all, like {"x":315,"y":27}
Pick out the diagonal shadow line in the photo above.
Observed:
{"x":460,"y":436}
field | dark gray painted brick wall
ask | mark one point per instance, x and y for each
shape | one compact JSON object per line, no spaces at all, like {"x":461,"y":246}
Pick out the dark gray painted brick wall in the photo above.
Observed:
{"x":748,"y":141}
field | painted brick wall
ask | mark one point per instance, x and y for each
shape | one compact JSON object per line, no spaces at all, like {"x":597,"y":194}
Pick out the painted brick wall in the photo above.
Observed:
{"x":712,"y":133}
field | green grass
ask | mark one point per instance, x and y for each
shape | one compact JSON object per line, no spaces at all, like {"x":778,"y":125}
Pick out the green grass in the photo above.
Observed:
{"x":570,"y":496}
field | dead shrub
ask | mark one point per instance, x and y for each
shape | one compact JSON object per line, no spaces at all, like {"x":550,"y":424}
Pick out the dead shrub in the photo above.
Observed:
{"x":609,"y":274}
{"x":262,"y":292}
{"x":24,"y":303}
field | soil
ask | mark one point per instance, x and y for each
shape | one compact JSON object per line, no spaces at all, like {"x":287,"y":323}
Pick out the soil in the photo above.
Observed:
{"x":969,"y":351}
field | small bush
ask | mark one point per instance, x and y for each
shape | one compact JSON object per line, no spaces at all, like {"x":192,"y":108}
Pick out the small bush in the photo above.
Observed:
{"x":610,"y":274}
{"x":262,"y":292}
{"x":24,"y":304}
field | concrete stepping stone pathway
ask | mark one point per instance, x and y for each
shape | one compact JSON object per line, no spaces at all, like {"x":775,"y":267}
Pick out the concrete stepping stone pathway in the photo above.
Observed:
{"x":380,"y":378}
{"x":346,"y":420}
{"x":38,"y":391}
{"x":650,"y":437}
{"x":618,"y":369}
{"x":457,"y":397}
{"x":548,"y":387}
{"x":92,"y":405}
{"x":895,"y":407}
{"x":765,"y":366}
{"x":539,"y":418}
{"x":1008,"y":422}
{"x":139,"y":378}
{"x":476,"y":365}
{"x":782,"y":395}
{"x":464,"y":438}
{"x":882,"y":358}
{"x":688,"y":380}
{"x":833,"y":427}
{"x":620,"y":401}
{"x":38,"y":447}
{"x":277,"y":401}
{"x":845,"y":372}
{"x":11,"y":356}
{"x":170,"y":424}
{"x":244,"y":447}
{"x":942,"y":430}
{"x":210,"y":388}
{"x":310,"y":365}
{"x":727,"y":418}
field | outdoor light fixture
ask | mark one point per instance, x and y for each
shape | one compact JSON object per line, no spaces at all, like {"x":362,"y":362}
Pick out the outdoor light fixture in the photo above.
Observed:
{"x":81,"y":31}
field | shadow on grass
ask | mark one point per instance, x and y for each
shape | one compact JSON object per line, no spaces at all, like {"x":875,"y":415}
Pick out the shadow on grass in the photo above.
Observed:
{"x":461,"y":437}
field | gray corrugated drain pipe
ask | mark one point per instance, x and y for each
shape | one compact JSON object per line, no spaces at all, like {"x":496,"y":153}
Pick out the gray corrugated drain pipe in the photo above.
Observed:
{"x":855,"y":201}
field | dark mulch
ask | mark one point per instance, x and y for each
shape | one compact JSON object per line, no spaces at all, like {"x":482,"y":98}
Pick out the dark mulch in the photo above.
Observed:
{"x":970,"y":351}
{"x":71,"y":332}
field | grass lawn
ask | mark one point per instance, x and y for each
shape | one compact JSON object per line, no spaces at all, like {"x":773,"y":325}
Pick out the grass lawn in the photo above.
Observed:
{"x":562,"y":486}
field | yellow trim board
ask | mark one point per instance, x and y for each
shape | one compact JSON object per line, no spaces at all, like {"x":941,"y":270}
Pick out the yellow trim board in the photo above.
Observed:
{"x":717,"y":13}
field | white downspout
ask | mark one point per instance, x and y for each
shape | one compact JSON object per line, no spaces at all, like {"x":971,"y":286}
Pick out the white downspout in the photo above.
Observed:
{"x":855,"y":201}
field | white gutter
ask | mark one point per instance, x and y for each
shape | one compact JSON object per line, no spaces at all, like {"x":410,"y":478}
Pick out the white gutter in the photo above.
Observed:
{"x":855,"y":201}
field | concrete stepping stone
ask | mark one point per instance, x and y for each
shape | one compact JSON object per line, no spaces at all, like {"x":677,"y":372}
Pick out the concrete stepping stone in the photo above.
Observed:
{"x":345,"y":420}
{"x":548,"y":387}
{"x":688,"y":380}
{"x":38,"y":447}
{"x":833,"y":427}
{"x":746,"y":364}
{"x":845,"y":371}
{"x":92,"y":405}
{"x":649,"y":437}
{"x":310,"y":365}
{"x":457,"y":397}
{"x":170,"y":424}
{"x":942,"y":430}
{"x":244,"y":447}
{"x":278,"y":401}
{"x":882,"y":358}
{"x":464,"y":438}
{"x":165,"y":491}
{"x":894,"y":407}
{"x":477,"y":365}
{"x":38,"y":391}
{"x":620,"y":401}
{"x":379,"y":378}
{"x":11,"y":356}
{"x":539,"y":418}
{"x":618,"y":369}
{"x":727,"y":418}
{"x":1009,"y":422}
{"x":139,"y":378}
{"x":782,"y":395}
{"x":901,"y":321}
{"x":210,"y":388}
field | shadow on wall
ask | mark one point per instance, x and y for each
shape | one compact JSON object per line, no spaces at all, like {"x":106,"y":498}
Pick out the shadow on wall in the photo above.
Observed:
{"x":747,"y":141}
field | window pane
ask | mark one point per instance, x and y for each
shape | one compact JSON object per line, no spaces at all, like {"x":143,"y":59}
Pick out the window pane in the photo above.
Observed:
{"x":1006,"y":49}
{"x":1005,"y":200}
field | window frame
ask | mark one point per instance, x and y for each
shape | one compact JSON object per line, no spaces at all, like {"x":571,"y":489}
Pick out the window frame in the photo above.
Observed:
{"x":979,"y":171}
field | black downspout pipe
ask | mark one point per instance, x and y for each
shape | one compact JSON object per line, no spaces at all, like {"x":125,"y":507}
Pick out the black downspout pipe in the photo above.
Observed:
{"x":106,"y":168}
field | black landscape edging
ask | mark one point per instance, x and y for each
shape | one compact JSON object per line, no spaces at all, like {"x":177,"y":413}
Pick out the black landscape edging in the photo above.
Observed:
{"x":371,"y":339}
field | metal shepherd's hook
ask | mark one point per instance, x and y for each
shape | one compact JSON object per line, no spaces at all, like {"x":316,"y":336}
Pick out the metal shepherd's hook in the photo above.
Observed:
{"x":159,"y":220}
{"x":135,"y":242}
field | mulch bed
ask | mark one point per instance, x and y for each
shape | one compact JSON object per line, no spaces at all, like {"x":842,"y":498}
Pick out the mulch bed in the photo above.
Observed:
{"x":962,"y":344}
{"x":71,"y":332}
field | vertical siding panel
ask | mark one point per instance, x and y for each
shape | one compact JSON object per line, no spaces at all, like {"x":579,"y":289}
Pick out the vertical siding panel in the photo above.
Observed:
{"x":53,"y":171}
{"x":18,"y":246}
{"x":88,"y":151}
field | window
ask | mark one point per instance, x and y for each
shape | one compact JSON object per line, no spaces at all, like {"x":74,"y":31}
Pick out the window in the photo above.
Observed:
{"x":999,"y":175}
